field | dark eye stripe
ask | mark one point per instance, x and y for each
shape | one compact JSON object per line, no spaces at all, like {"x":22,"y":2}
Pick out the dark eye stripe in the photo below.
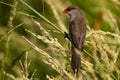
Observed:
{"x":70,"y":9}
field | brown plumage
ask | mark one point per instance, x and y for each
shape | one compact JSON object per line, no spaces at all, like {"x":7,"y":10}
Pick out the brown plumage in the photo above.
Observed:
{"x":77,"y":32}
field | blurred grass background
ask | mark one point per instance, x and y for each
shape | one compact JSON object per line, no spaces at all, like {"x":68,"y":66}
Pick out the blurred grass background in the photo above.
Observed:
{"x":32,"y":46}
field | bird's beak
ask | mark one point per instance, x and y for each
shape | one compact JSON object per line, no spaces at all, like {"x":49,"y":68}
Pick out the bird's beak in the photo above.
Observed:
{"x":65,"y":11}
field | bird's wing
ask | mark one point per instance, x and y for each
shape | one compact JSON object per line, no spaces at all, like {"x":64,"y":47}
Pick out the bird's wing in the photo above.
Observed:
{"x":77,"y":36}
{"x":78,"y":40}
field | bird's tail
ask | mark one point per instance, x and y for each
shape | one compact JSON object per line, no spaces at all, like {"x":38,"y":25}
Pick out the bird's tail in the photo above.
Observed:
{"x":75,"y":61}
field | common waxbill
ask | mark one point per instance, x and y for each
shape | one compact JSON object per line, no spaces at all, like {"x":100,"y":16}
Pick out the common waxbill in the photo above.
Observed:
{"x":77,"y":32}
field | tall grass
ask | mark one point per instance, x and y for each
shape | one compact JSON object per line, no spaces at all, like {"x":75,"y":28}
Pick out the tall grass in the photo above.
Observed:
{"x":37,"y":50}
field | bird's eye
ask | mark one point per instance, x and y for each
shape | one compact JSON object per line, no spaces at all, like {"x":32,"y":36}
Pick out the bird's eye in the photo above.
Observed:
{"x":70,"y":9}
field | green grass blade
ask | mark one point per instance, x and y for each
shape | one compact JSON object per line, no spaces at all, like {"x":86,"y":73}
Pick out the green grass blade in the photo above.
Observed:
{"x":7,"y":4}
{"x":41,"y":16}
{"x":10,"y":31}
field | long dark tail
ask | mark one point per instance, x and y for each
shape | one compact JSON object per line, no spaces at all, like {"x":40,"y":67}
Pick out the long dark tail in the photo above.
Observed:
{"x":75,"y":61}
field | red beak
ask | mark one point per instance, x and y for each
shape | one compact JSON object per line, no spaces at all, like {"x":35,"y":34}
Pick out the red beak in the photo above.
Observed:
{"x":65,"y":11}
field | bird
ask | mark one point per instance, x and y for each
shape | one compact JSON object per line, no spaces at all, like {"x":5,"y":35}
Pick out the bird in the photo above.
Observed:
{"x":77,"y":34}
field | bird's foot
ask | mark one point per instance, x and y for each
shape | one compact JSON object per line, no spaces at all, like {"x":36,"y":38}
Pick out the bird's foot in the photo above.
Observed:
{"x":66,"y":35}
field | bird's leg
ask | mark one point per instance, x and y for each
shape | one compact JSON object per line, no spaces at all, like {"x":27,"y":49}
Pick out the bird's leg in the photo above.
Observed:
{"x":82,"y":48}
{"x":66,"y":36}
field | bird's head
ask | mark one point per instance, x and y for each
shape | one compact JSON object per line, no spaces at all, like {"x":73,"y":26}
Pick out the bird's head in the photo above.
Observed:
{"x":72,"y":10}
